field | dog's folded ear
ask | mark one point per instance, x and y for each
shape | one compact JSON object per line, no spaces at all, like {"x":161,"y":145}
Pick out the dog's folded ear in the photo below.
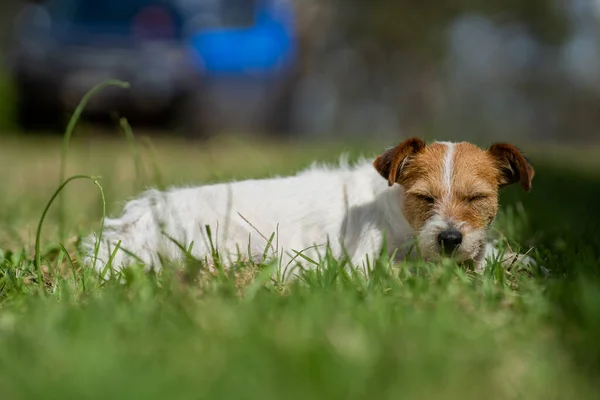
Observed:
{"x":513,"y":165}
{"x":389,"y":164}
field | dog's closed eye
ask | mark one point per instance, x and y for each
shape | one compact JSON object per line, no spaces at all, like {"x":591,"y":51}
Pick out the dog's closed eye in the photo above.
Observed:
{"x":477,"y":197}
{"x":426,"y":198}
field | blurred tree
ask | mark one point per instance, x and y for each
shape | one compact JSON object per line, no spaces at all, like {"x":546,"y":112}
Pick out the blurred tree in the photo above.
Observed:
{"x":8,"y":8}
{"x":418,"y":26}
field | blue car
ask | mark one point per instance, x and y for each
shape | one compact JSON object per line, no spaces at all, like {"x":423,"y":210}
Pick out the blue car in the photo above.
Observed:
{"x":247,"y":52}
{"x":244,"y":38}
{"x":182,"y":58}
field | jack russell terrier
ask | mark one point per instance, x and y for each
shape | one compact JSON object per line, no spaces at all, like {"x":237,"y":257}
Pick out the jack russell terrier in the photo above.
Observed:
{"x":443,"y":197}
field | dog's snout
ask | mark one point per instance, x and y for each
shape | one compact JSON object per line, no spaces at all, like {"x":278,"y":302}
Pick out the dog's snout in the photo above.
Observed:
{"x":450,"y":239}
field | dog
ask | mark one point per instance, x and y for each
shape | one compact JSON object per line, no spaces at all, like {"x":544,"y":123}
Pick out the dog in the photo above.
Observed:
{"x":443,"y":196}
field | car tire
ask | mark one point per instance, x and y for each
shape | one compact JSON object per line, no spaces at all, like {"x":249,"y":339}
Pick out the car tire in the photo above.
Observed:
{"x":34,"y":115}
{"x":279,"y":114}
{"x":188,"y":117}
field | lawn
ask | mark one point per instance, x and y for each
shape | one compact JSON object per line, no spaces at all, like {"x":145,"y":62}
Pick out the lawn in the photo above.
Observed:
{"x":433,"y":331}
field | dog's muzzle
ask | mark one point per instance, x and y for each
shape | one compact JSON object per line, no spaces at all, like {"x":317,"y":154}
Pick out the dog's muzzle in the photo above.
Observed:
{"x":449,"y":240}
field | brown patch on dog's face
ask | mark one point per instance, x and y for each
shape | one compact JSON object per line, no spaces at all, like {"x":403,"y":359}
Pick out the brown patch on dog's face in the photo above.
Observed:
{"x":474,"y":191}
{"x":461,"y":186}
{"x":421,"y":179}
{"x":454,"y":187}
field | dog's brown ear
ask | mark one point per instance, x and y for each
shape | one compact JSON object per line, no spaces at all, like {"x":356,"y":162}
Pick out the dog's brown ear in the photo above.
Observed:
{"x":513,"y":165}
{"x":390,"y":163}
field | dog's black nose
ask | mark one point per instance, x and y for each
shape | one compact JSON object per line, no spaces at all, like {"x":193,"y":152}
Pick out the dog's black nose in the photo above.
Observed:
{"x":449,"y":240}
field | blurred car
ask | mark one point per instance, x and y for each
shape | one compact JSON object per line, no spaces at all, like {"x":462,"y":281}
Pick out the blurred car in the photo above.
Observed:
{"x":182,"y":58}
{"x":64,"y":47}
{"x":248,"y":51}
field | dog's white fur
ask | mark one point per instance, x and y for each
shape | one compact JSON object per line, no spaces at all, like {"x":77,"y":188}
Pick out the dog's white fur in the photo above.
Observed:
{"x":349,"y":208}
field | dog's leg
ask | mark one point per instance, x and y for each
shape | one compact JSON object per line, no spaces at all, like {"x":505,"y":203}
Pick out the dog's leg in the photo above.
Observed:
{"x":509,"y":259}
{"x":367,"y":251}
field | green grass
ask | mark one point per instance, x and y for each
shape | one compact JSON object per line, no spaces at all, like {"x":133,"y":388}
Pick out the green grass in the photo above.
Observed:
{"x":434,"y":331}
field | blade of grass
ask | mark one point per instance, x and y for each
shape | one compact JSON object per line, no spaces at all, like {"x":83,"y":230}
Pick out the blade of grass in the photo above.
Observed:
{"x":67,"y":138}
{"x":134,"y":151}
{"x":73,"y":269}
{"x":38,"y":262}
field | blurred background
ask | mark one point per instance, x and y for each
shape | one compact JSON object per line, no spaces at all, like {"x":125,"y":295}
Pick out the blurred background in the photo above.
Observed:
{"x":486,"y":69}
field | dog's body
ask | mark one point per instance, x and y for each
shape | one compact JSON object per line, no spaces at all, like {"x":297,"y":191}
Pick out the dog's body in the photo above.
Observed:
{"x":350,"y":209}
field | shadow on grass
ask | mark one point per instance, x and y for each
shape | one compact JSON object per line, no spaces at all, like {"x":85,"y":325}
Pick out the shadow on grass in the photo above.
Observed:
{"x":563,"y":210}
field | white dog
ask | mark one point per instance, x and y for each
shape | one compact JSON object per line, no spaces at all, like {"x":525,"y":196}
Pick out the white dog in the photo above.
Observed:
{"x":444,"y":195}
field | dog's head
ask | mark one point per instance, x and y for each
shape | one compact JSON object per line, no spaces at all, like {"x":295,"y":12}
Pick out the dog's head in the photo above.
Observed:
{"x":451,"y":191}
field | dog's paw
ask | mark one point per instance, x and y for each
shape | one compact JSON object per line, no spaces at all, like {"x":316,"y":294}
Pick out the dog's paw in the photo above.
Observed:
{"x":523,"y":260}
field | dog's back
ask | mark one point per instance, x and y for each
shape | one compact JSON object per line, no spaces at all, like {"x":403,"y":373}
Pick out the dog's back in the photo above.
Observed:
{"x":301,"y":211}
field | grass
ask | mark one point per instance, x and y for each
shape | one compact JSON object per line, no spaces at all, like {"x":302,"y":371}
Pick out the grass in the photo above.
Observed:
{"x":432,"y":332}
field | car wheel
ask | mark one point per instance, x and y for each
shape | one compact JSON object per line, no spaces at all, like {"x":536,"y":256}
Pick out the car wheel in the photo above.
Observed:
{"x":35,"y":115}
{"x":279,"y":114}
{"x":188,"y":117}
